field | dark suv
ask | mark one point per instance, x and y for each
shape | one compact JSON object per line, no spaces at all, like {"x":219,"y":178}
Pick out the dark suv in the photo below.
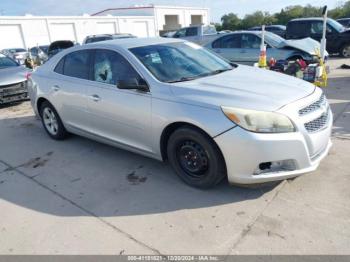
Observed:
{"x":338,"y":37}
{"x":104,"y":37}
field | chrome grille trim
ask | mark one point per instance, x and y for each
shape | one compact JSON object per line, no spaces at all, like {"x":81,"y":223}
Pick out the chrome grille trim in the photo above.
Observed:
{"x":314,"y":106}
{"x":318,"y":123}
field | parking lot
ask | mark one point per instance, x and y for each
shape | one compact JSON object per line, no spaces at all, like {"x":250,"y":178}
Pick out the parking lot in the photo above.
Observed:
{"x":78,"y":196}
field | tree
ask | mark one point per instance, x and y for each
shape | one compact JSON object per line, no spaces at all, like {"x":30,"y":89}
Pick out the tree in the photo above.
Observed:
{"x":230,"y":22}
{"x":257,"y":18}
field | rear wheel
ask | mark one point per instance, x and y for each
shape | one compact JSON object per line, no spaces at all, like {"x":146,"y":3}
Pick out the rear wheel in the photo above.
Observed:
{"x":52,"y":122}
{"x":345,"y":51}
{"x":195,"y":158}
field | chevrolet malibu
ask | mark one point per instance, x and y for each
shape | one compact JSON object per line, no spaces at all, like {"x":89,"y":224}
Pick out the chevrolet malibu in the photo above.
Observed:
{"x":173,"y":100}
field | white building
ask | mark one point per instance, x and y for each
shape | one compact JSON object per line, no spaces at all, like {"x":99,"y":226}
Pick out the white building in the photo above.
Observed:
{"x":167,"y":18}
{"x":142,"y":21}
{"x":29,"y":31}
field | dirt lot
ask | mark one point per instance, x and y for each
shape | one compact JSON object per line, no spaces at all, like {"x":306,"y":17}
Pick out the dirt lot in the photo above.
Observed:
{"x":81,"y":197}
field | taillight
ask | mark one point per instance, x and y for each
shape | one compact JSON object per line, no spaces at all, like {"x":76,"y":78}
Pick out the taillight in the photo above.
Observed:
{"x":28,"y":75}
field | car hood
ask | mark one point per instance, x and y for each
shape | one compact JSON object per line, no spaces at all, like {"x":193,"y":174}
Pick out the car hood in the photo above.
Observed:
{"x":307,"y":45}
{"x":243,"y":87}
{"x":12,"y":75}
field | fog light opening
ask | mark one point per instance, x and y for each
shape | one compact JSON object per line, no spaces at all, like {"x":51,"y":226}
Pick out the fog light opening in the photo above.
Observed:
{"x":275,"y":166}
{"x":264,"y":166}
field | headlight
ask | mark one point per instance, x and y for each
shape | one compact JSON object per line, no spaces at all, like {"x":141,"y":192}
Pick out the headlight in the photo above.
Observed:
{"x":259,"y":121}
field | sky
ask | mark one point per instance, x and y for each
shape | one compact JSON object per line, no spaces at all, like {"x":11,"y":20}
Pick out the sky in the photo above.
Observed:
{"x":217,"y":7}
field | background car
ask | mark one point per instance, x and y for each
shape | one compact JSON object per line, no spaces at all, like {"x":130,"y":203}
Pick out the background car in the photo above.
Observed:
{"x":169,"y":34}
{"x":13,"y":81}
{"x":18,"y":54}
{"x":344,"y":21}
{"x":105,"y":37}
{"x":58,"y":46}
{"x":39,"y":53}
{"x":338,"y":37}
{"x":244,"y":47}
{"x":276,"y":29}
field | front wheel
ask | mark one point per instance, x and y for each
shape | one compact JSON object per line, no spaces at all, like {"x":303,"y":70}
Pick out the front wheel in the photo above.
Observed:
{"x":195,"y":158}
{"x":345,"y":51}
{"x":52,"y":121}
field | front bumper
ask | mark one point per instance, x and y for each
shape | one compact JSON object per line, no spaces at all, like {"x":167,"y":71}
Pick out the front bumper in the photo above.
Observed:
{"x":245,"y":151}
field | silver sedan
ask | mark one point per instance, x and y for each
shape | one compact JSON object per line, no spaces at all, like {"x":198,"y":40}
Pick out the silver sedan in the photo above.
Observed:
{"x":172,"y":99}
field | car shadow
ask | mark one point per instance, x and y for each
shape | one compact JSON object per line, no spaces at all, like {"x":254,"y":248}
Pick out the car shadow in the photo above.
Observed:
{"x":100,"y":179}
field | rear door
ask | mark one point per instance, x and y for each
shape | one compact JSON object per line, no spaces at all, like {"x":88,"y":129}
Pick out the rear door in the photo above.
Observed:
{"x":69,"y":86}
{"x":250,"y":48}
{"x":229,"y":47}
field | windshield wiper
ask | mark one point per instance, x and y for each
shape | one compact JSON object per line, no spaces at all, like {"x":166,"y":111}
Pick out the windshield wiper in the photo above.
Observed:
{"x":183,"y":79}
{"x":215,"y":72}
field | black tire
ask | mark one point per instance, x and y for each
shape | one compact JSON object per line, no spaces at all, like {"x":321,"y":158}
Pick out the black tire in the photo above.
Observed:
{"x":345,"y":51}
{"x":60,"y":132}
{"x":195,"y":158}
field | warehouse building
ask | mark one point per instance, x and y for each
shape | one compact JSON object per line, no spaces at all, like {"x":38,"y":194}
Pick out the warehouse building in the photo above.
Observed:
{"x":142,"y":21}
{"x":167,"y":18}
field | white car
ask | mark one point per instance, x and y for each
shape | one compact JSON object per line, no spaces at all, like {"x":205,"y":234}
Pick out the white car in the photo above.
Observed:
{"x":172,"y":99}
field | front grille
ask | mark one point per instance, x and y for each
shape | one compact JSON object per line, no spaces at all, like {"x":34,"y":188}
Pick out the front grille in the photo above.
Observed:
{"x":314,"y":106}
{"x":318,"y":123}
{"x":14,"y":92}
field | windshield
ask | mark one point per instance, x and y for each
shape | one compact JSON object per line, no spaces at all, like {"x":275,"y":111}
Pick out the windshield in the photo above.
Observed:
{"x":7,"y":62}
{"x":273,"y":39}
{"x":336,"y":25}
{"x":177,"y":62}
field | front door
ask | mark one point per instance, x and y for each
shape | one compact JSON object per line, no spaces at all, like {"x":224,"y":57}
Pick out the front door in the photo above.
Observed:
{"x":123,"y":116}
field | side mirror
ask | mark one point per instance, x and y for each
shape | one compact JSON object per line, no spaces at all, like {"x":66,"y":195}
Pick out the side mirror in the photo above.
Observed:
{"x":133,"y":83}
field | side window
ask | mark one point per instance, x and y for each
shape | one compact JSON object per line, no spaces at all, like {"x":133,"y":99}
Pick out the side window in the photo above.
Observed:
{"x":230,"y":41}
{"x":110,"y":67}
{"x":316,"y":27}
{"x":192,"y":31}
{"x":77,"y":64}
{"x":59,"y":67}
{"x":180,"y":33}
{"x":250,"y":41}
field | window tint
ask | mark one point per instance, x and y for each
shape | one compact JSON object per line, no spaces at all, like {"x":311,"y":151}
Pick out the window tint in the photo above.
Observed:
{"x":230,"y":41}
{"x":298,"y":29}
{"x":250,"y":41}
{"x":59,"y":67}
{"x":110,"y":67}
{"x":77,"y":64}
{"x":192,"y":31}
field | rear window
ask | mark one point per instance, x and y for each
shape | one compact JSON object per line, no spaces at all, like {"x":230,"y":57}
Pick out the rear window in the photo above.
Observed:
{"x":75,"y":64}
{"x":98,"y":39}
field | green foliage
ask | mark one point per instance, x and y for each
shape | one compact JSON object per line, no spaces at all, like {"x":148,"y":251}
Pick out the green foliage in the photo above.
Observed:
{"x":232,"y":22}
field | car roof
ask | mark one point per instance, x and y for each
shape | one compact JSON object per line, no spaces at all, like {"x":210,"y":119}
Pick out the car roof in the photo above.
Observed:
{"x":343,"y":19}
{"x":111,"y":35}
{"x":127,"y":43}
{"x":310,"y":19}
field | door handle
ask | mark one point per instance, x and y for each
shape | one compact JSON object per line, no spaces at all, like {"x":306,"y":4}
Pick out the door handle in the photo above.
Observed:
{"x":95,"y":98}
{"x":56,"y":88}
